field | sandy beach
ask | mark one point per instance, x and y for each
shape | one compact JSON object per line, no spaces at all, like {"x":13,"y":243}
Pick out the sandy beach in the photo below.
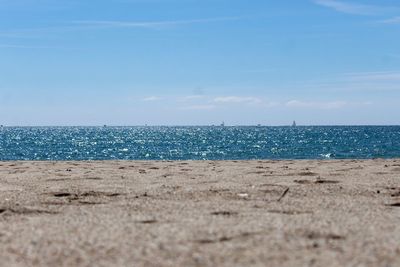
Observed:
{"x":200,"y":213}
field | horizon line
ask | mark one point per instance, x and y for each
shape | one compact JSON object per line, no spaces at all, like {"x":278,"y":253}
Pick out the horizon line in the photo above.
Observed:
{"x":200,"y":125}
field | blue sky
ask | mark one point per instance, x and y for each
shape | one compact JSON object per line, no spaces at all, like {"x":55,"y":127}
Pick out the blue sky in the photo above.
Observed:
{"x":199,"y":62}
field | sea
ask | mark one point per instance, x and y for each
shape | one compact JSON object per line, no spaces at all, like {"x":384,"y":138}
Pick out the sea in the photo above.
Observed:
{"x":199,"y":143}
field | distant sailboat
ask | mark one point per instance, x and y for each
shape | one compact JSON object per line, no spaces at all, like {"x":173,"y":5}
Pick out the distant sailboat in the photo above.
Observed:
{"x":294,"y":124}
{"x":223,"y":124}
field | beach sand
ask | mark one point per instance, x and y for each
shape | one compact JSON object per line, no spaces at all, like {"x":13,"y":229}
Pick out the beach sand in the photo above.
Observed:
{"x":200,"y":213}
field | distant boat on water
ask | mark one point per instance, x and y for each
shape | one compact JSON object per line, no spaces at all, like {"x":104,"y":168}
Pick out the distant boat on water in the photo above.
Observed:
{"x":294,"y":124}
{"x":223,"y":124}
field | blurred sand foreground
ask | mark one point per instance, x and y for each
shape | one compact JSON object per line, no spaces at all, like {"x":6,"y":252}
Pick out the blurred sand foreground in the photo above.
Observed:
{"x":200,"y":213}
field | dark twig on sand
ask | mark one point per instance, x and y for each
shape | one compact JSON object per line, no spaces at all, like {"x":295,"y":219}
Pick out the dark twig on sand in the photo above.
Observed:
{"x":283,"y":194}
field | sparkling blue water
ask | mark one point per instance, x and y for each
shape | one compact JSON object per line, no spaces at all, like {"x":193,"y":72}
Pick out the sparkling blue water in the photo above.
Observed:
{"x":199,"y":143}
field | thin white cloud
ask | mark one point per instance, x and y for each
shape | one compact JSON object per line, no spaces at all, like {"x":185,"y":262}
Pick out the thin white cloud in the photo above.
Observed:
{"x":237,"y":99}
{"x":351,"y":8}
{"x":148,"y":24}
{"x":13,"y":46}
{"x":191,"y":98}
{"x":259,"y":70}
{"x":271,"y":104}
{"x":382,"y":76}
{"x":353,"y":81}
{"x":16,"y":46}
{"x":395,"y":20}
{"x":316,"y":105}
{"x":199,"y":107}
{"x":326,"y":105}
{"x":151,"y":98}
{"x":87,"y":25}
